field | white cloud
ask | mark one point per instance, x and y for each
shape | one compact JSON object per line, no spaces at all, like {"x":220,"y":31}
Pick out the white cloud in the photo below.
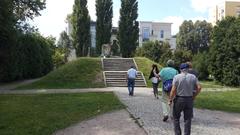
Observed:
{"x":204,"y":5}
{"x":92,"y":9}
{"x":176,"y":20}
{"x":52,"y":22}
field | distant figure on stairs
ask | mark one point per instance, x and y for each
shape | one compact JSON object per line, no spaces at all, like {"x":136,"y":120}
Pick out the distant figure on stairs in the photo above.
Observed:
{"x":130,"y":79}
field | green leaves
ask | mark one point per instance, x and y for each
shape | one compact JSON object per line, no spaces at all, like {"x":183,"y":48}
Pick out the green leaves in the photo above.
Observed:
{"x":224,"y":52}
{"x":104,"y":12}
{"x":128,"y":27}
{"x":194,"y":36}
{"x":81,"y":27}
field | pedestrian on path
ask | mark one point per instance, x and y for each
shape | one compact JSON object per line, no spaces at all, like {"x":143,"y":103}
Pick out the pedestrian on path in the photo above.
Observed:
{"x":166,"y":75}
{"x":182,"y":93}
{"x":130,"y":78}
{"x":154,"y":79}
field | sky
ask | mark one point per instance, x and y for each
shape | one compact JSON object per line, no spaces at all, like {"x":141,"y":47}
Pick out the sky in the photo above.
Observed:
{"x":53,"y":19}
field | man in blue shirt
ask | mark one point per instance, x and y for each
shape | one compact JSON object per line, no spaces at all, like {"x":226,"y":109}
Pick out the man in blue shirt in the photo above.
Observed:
{"x":131,"y":76}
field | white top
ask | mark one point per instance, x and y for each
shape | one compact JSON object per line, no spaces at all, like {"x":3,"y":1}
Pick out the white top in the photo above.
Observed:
{"x":154,"y":80}
{"x":132,"y":73}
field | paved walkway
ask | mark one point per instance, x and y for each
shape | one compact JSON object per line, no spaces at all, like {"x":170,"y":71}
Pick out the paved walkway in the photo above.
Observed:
{"x":147,"y":111}
{"x":115,"y":123}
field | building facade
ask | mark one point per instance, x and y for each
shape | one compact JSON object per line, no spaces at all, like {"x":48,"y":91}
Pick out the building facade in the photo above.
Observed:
{"x":223,"y":9}
{"x":155,"y":31}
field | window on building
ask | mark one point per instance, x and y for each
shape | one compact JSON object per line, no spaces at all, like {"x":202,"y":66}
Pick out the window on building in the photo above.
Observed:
{"x":152,"y":32}
{"x":162,"y":34}
{"x":146,"y":34}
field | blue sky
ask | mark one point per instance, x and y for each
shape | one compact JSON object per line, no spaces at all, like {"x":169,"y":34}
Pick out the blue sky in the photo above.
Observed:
{"x":52,"y":21}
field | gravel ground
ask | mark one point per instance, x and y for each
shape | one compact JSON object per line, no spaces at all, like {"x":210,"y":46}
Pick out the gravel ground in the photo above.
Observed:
{"x":148,"y":110}
{"x":115,"y":123}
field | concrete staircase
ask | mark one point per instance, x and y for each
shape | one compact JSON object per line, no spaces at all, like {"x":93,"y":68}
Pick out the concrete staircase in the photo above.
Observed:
{"x":115,"y":70}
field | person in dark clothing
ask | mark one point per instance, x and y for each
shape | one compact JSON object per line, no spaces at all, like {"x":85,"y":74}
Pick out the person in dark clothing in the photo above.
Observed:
{"x":191,"y":70}
{"x":154,"y":79}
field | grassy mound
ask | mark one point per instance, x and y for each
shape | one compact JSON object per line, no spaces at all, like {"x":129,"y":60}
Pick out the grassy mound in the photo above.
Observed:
{"x":145,"y":65}
{"x":82,"y":73}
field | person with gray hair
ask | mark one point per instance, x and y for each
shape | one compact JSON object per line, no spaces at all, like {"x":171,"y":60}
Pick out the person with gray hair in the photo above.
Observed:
{"x":166,"y":75}
{"x":182,"y":97}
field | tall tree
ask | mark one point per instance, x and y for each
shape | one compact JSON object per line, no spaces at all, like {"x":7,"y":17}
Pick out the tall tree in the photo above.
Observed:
{"x":64,"y":44}
{"x":224,"y":60}
{"x":128,"y":27}
{"x":81,"y":28}
{"x":185,"y":37}
{"x":194,"y":37}
{"x":202,"y":35}
{"x":104,"y":12}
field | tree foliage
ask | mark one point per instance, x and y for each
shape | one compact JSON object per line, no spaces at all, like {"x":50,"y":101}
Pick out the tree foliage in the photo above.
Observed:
{"x":81,"y":28}
{"x":181,"y":56}
{"x":201,"y":63}
{"x":65,"y":45}
{"x":22,"y":54}
{"x":194,"y":36}
{"x":225,"y":52}
{"x":157,"y":51}
{"x":104,"y":13}
{"x":128,"y":27}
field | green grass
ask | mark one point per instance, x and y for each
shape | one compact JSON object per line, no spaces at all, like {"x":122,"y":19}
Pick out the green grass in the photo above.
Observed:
{"x":145,"y":65}
{"x":210,"y":84}
{"x":228,"y":101}
{"x":47,"y":113}
{"x":82,"y":73}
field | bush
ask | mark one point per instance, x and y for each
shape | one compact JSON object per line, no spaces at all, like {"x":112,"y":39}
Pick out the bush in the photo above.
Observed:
{"x":181,"y":56}
{"x":157,"y":51}
{"x":200,"y":63}
{"x":30,"y":57}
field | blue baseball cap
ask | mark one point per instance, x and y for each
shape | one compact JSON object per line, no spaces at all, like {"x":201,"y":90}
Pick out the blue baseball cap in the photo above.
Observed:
{"x":184,"y":66}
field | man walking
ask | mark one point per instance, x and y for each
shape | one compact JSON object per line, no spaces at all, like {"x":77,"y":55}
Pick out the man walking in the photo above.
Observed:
{"x":131,"y":76}
{"x":182,"y":93}
{"x":166,"y":75}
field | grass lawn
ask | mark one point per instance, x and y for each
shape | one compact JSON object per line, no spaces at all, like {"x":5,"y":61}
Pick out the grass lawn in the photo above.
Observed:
{"x":211,"y":84}
{"x":228,"y":101}
{"x":145,"y":65}
{"x":44,"y":114}
{"x":82,"y":73}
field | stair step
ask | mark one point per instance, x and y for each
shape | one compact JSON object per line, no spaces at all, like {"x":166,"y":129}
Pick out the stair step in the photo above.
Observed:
{"x":118,"y":78}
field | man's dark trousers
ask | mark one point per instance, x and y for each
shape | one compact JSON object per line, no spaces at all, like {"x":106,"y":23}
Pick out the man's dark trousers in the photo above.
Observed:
{"x":184,"y":104}
{"x":131,"y":84}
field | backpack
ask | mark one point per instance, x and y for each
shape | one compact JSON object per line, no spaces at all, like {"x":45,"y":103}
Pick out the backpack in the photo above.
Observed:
{"x":167,"y":85}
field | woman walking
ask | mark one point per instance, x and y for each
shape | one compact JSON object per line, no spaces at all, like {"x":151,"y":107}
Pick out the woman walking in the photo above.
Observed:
{"x":155,"y":80}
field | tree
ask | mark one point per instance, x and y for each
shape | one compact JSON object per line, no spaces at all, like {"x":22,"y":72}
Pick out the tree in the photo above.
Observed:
{"x":194,"y":36}
{"x":128,"y":27}
{"x":64,"y":44}
{"x":104,"y":14}
{"x":181,"y":56}
{"x":202,"y":36}
{"x":201,"y":63}
{"x":157,"y":51}
{"x":81,"y":28}
{"x":13,"y":21}
{"x":225,"y":51}
{"x":185,"y":37}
